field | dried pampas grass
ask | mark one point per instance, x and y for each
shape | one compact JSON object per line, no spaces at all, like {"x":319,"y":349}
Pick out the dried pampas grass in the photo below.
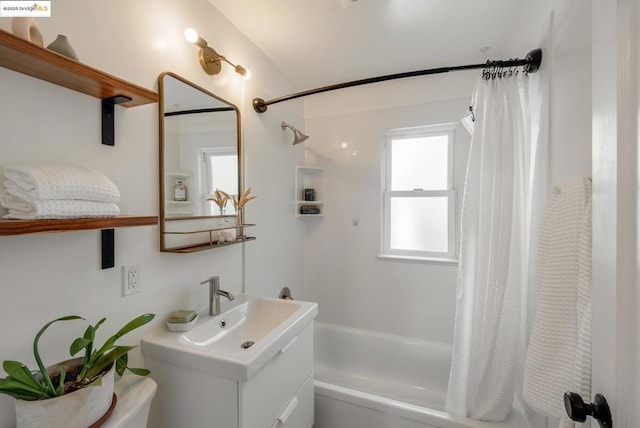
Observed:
{"x":244,"y":198}
{"x":221,"y":198}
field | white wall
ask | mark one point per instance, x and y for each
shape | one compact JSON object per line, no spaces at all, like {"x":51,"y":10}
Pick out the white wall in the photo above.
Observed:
{"x":571,"y":92}
{"x":567,"y":26}
{"x":343,"y":274}
{"x":50,"y":275}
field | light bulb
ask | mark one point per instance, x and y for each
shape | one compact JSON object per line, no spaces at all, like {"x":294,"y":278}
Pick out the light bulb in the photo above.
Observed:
{"x":246,"y":74}
{"x":191,"y":35}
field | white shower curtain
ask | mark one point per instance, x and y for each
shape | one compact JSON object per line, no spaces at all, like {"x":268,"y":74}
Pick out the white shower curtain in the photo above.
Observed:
{"x":492,"y":272}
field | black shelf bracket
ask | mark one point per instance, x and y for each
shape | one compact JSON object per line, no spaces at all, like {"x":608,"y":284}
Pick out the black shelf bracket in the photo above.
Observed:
{"x":109,"y":118}
{"x":108,"y":248}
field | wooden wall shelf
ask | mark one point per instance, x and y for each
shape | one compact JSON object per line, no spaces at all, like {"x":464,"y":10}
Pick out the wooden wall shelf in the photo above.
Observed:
{"x":27,"y":58}
{"x":24,"y":227}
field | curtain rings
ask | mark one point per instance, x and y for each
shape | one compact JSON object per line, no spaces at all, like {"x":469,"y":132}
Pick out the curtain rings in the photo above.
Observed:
{"x":502,"y":69}
{"x":486,"y":71}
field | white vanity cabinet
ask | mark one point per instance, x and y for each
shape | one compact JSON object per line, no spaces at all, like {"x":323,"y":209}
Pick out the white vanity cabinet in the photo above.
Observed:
{"x":279,"y":394}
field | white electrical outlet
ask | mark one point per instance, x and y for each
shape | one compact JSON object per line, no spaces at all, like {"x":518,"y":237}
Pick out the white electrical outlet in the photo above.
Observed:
{"x":132,"y":279}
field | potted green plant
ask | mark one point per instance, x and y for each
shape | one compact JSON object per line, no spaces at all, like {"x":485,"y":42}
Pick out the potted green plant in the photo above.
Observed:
{"x":77,"y":392}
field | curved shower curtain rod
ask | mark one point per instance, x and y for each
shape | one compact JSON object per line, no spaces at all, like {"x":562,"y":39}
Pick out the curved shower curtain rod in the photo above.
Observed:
{"x":531,"y":64}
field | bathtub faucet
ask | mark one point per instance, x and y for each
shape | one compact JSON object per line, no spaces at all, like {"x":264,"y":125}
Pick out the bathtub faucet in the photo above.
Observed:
{"x":214,"y":294}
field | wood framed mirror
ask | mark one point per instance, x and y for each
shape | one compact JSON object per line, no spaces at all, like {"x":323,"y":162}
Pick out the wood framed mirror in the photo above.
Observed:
{"x":200,"y":152}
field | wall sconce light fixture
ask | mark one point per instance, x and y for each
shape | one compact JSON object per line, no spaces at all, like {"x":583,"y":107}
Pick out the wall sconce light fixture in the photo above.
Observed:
{"x":298,"y":137}
{"x":210,"y":60}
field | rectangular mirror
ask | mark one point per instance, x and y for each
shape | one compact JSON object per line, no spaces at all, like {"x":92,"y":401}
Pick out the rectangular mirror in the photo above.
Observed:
{"x":200,"y":152}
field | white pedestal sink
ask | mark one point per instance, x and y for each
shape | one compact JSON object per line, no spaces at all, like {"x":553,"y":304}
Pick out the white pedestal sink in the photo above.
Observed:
{"x":251,"y":366}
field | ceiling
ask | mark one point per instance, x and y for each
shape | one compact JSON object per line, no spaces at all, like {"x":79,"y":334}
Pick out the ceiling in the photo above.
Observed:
{"x":321,"y":42}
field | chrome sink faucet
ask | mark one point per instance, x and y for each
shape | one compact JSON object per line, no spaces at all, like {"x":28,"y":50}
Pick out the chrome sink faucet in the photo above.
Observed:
{"x":214,"y":294}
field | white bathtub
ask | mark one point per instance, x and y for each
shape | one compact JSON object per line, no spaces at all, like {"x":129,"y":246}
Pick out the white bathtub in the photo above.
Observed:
{"x":365,"y":379}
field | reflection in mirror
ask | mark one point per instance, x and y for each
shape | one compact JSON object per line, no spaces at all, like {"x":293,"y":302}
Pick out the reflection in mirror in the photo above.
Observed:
{"x":199,"y":154}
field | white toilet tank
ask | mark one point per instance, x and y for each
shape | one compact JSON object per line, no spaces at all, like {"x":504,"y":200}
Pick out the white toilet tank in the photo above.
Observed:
{"x":134,"y":394}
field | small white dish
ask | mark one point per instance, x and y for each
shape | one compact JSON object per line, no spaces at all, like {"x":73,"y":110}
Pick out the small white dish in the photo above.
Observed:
{"x":182,"y":326}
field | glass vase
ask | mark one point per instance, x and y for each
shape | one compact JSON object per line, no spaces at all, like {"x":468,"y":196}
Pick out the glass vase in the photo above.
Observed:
{"x":239,"y":222}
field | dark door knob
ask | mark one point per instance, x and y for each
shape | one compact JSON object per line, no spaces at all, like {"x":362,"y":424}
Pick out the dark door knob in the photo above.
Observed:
{"x":578,"y":410}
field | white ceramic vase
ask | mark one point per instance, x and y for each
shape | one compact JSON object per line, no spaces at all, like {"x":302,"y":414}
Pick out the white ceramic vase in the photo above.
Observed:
{"x":79,"y":409}
{"x":27,"y":28}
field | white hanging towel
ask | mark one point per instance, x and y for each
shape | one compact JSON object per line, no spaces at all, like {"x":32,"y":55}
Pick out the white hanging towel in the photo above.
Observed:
{"x":559,"y":355}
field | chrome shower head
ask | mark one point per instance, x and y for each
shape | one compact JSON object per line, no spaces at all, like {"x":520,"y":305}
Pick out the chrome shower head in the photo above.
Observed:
{"x":298,"y":137}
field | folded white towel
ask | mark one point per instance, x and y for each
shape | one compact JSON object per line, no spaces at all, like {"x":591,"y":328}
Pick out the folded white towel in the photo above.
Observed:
{"x":559,"y":354}
{"x":227,"y":235}
{"x":44,"y":182}
{"x":30,"y":209}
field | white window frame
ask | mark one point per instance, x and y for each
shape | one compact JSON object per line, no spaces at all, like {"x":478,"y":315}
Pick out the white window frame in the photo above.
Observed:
{"x":448,"y":129}
{"x":205,"y":176}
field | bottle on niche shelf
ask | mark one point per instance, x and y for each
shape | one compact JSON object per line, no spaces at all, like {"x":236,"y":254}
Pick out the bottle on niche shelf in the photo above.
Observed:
{"x":180,"y":191}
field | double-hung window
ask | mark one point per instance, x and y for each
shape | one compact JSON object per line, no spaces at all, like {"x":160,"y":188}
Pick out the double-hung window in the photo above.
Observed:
{"x":419,"y":196}
{"x":219,"y":172}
